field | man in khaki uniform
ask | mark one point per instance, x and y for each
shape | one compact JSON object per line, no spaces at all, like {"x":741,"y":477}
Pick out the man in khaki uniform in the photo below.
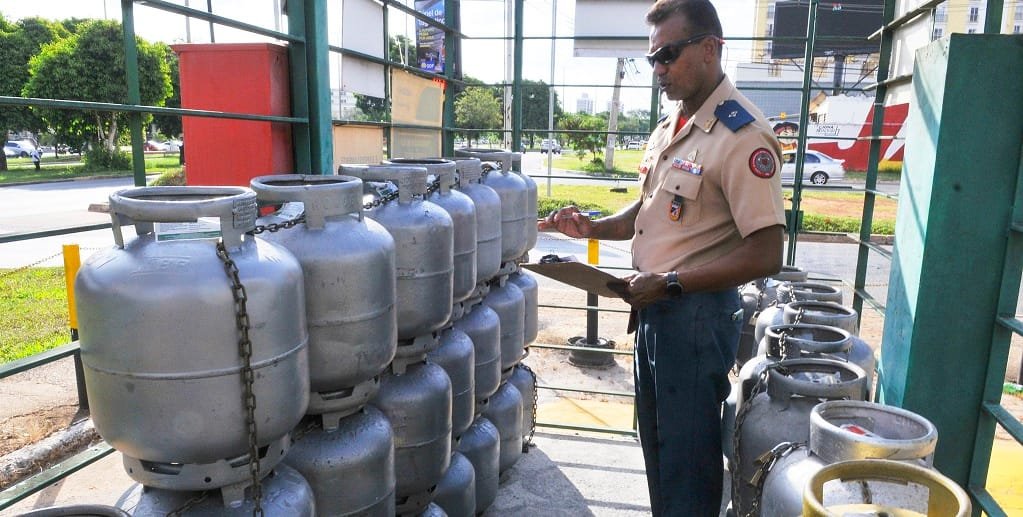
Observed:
{"x":710,"y":218}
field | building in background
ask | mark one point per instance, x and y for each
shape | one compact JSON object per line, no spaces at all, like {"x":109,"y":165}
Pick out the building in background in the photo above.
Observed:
{"x":584,"y":104}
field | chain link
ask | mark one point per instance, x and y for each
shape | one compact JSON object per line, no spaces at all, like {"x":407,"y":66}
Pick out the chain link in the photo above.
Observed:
{"x":276,"y":227}
{"x":767,"y":462}
{"x":188,"y":505}
{"x":24,"y":268}
{"x":532,"y":426}
{"x":740,"y":419}
{"x":248,"y":377}
{"x":391,"y":195}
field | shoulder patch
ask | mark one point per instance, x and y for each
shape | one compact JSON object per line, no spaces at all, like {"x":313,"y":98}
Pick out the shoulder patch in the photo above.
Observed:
{"x":733,"y":115}
{"x":762,"y":163}
{"x":662,"y":118}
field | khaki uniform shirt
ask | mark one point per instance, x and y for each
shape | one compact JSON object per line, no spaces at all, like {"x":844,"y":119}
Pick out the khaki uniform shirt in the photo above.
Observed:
{"x":708,"y":187}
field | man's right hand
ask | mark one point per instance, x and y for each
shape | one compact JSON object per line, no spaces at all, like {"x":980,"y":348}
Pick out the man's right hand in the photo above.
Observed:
{"x":569,"y":221}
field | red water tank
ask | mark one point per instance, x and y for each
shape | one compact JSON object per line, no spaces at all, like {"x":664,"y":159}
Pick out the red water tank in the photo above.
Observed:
{"x":243,"y":78}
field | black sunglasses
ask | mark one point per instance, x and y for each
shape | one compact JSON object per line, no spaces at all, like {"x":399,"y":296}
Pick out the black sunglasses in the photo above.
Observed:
{"x":667,"y":54}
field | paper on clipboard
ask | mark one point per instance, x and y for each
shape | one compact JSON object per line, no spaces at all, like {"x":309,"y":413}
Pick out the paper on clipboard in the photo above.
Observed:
{"x":578,"y":274}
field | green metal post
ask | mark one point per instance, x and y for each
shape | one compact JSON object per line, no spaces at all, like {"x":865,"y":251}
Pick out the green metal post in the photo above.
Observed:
{"x":955,"y":211}
{"x":873,"y":158}
{"x":321,"y":141}
{"x":804,"y":115}
{"x":993,"y":16}
{"x":517,"y":84}
{"x":301,"y":134}
{"x":131,"y":69}
{"x":451,"y":59}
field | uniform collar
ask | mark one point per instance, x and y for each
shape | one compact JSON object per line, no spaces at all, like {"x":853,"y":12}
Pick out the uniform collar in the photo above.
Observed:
{"x":704,"y":118}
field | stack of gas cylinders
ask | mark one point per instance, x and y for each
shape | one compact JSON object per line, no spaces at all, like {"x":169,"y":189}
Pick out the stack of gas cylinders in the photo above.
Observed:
{"x":798,"y":432}
{"x":338,"y":345}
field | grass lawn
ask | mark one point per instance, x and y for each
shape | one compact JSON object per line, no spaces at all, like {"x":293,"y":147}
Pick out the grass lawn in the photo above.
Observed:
{"x":70,"y":166}
{"x":626,"y":162}
{"x":34,"y":304}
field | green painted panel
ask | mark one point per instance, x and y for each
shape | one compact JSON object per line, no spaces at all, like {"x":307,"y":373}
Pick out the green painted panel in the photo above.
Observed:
{"x":958,"y":183}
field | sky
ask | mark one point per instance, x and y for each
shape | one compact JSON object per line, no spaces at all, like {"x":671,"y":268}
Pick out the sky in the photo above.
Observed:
{"x":482,"y":59}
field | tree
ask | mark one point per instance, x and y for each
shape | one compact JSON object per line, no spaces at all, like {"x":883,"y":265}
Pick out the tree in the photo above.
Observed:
{"x":402,"y":50}
{"x":477,"y":108}
{"x":592,"y":142}
{"x":90,"y":66}
{"x":18,"y":43}
{"x":170,"y":125}
{"x":535,"y":107}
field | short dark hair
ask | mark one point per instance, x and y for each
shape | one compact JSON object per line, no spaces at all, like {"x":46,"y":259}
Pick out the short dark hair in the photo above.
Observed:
{"x":701,"y":15}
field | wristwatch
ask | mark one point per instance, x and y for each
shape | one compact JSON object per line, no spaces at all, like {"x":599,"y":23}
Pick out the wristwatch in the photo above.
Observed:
{"x":674,"y":287}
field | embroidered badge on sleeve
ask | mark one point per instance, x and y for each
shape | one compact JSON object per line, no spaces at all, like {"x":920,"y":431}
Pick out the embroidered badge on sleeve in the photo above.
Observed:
{"x":762,"y":163}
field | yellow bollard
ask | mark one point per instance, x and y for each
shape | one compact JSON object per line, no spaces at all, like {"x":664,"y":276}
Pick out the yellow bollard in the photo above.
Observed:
{"x":593,"y":251}
{"x":72,"y":262}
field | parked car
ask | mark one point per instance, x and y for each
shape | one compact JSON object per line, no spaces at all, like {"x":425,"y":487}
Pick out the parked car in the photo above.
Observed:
{"x":636,"y":144}
{"x":153,"y":145}
{"x":550,"y":145}
{"x":20,"y":148}
{"x":818,"y":168}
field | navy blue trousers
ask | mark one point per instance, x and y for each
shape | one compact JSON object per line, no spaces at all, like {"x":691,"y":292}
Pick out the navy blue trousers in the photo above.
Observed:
{"x":685,"y":347}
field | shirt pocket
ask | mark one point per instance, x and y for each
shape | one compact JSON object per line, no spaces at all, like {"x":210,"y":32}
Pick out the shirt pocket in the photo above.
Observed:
{"x":686,"y":185}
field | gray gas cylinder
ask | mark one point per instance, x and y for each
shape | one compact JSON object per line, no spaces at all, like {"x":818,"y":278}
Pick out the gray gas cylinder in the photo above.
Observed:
{"x":463,"y":217}
{"x":532,"y":197}
{"x":843,"y":430}
{"x":483,"y":326}
{"x":77,"y":510}
{"x":808,"y":311}
{"x":285,"y":494}
{"x":481,"y":445}
{"x":525,"y":381}
{"x":417,"y":402}
{"x":348,"y":265}
{"x":781,"y":413}
{"x":350,"y":468}
{"x":531,"y":294}
{"x":791,"y":274}
{"x":939,"y":496}
{"x":514,"y":194}
{"x":505,"y":411}
{"x":424,"y":242}
{"x":456,"y":492}
{"x":756,"y":297}
{"x":510,"y":305}
{"x":801,"y":340}
{"x":808,"y":291}
{"x":457,"y":357}
{"x":488,"y":216}
{"x":160,"y":338}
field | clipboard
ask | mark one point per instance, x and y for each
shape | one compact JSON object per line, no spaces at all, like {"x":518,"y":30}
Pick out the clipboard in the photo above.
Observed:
{"x":578,"y":274}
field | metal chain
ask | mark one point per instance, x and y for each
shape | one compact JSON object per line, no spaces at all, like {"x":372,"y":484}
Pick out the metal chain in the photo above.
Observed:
{"x":432,"y":187}
{"x":767,"y":462}
{"x":188,"y":505}
{"x":799,"y":316}
{"x":532,"y":426}
{"x":248,"y":377}
{"x":740,"y":418}
{"x":603,"y":244}
{"x":276,"y":227}
{"x":24,"y":268}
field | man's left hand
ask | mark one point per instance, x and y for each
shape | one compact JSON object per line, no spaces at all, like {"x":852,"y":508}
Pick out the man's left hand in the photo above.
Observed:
{"x":644,"y":289}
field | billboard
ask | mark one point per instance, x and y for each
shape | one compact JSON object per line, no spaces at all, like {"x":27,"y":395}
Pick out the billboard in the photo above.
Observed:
{"x":430,"y":39}
{"x":837,"y":22}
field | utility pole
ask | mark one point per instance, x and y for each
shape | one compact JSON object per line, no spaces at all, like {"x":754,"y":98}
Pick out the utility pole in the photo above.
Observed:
{"x":612,"y":122}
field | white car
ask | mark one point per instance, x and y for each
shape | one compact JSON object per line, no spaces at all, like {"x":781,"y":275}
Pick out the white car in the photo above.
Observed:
{"x":818,"y":168}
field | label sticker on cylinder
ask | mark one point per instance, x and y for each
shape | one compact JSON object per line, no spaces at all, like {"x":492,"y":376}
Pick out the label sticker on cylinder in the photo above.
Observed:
{"x":204,"y":228}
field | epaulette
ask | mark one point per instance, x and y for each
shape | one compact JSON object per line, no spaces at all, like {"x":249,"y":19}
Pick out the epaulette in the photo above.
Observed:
{"x":662,"y":118}
{"x":733,"y":115}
